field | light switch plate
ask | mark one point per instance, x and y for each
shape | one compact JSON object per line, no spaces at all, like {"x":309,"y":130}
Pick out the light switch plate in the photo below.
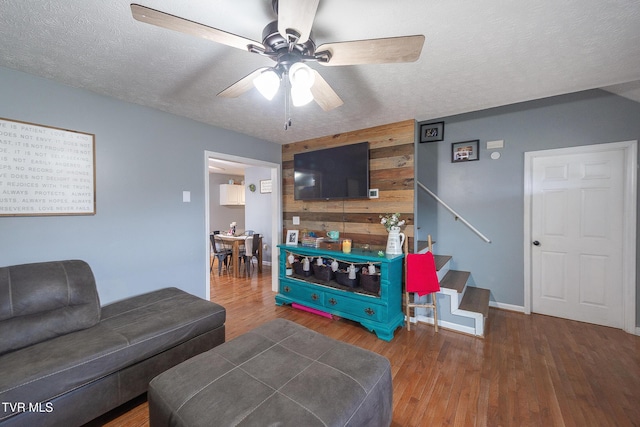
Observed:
{"x":186,"y":196}
{"x":296,"y":220}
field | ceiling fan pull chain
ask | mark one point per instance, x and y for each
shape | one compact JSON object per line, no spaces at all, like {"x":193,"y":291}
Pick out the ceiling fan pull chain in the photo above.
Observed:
{"x":286,"y":109}
{"x":287,"y":112}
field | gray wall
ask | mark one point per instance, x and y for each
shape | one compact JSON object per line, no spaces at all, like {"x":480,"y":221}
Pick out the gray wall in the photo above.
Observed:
{"x":142,"y":237}
{"x":490,"y":193}
{"x":258,"y":215}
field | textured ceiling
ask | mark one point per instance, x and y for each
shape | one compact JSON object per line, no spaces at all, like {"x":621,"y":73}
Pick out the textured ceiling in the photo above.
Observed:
{"x":477,"y":55}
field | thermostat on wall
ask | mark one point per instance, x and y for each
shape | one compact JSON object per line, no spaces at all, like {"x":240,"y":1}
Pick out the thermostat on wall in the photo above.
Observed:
{"x":373,"y":193}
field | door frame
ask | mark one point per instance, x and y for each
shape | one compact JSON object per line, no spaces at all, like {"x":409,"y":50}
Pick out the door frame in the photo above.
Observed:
{"x":630,"y":181}
{"x":276,"y":211}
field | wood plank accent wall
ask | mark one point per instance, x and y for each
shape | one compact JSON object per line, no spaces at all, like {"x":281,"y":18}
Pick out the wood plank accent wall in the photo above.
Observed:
{"x":391,"y":170}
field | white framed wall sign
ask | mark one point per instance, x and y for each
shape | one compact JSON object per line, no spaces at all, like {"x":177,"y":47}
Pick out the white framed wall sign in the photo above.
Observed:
{"x":265,"y":186}
{"x":46,"y":170}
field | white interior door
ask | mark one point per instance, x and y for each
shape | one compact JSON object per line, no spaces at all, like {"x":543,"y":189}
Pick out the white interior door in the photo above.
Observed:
{"x":577,"y":234}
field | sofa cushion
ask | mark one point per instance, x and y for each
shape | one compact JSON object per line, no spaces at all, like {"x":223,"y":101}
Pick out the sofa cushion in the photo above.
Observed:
{"x":130,"y":331}
{"x":44,"y":300}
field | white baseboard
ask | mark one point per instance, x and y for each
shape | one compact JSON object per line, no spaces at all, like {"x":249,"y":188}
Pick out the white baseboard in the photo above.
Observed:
{"x":503,"y":306}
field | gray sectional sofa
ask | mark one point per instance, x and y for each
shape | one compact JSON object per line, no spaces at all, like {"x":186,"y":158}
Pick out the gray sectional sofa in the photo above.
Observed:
{"x":65,"y":360}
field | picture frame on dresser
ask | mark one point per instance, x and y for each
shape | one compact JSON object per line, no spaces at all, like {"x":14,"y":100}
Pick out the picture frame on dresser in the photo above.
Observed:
{"x":292,"y":238}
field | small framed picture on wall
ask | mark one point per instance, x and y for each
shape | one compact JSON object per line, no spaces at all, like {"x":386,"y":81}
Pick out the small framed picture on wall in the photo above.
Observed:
{"x":465,"y":151}
{"x":430,"y":132}
{"x":265,"y":186}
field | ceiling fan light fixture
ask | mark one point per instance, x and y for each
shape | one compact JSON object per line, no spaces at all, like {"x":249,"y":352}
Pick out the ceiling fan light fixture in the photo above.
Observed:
{"x":268,"y":83}
{"x":289,"y":42}
{"x":300,"y":96}
{"x":301,"y":76}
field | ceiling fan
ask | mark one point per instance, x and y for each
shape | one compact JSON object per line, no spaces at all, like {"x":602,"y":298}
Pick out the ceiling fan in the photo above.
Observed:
{"x":289,"y":42}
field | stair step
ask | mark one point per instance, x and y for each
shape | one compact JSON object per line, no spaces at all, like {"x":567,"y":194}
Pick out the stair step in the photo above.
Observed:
{"x":476,"y":300}
{"x":441,"y":260}
{"x":455,"y":279}
{"x":423,"y":245}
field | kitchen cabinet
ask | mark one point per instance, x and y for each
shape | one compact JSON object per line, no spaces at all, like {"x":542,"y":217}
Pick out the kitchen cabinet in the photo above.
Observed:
{"x":231,"y":195}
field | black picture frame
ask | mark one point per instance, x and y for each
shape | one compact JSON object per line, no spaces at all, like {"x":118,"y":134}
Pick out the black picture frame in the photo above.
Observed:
{"x":292,"y":238}
{"x":465,"y":151}
{"x":431,"y":132}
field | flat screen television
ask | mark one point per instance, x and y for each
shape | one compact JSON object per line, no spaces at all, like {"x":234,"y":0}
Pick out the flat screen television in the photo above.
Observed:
{"x":332,"y":173}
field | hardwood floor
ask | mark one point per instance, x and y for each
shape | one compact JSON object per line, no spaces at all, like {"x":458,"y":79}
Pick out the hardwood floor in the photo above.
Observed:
{"x":528,"y":371}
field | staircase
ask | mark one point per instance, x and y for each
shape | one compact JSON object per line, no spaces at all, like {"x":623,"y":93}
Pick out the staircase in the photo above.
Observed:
{"x":461,"y":306}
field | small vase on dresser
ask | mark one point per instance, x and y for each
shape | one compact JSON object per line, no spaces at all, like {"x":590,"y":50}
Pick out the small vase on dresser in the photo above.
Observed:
{"x":395,"y":240}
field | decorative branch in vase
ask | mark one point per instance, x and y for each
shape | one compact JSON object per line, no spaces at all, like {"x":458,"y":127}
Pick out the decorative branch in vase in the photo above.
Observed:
{"x":391,"y":220}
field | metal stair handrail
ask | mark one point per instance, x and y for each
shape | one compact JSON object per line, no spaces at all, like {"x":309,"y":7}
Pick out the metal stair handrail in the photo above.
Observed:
{"x":454,"y":213}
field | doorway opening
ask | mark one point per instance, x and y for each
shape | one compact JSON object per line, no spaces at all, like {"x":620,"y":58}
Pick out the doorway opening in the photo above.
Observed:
{"x":274,"y":206}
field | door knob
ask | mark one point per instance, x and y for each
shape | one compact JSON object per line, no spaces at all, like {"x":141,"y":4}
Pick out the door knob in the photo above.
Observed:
{"x":536,"y":243}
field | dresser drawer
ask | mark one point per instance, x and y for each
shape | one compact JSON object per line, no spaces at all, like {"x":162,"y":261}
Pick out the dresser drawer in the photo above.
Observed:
{"x":356,"y":307}
{"x":302,"y":293}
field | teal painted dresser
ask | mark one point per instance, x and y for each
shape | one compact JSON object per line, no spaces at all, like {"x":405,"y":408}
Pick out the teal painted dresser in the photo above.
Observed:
{"x":380,"y":312}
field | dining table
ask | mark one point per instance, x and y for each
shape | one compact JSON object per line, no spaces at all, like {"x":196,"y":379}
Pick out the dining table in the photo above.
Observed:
{"x":236,"y":241}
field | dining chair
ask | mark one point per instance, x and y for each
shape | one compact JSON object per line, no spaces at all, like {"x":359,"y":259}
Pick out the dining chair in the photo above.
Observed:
{"x":228,"y":247}
{"x":256,"y":248}
{"x":213,"y":249}
{"x":246,"y":253}
{"x":220,"y":252}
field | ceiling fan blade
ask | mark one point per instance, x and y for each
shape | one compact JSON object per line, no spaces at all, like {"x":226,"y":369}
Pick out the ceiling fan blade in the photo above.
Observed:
{"x":297,"y":15}
{"x":171,"y":22}
{"x":373,"y":51}
{"x":323,"y":94}
{"x":241,"y":86}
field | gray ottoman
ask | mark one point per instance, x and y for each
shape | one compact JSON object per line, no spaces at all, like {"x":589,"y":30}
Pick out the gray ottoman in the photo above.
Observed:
{"x":279,"y":374}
